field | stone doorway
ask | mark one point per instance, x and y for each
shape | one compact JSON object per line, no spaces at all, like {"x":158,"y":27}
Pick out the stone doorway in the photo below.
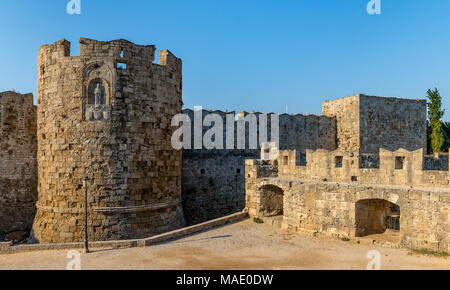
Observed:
{"x":271,"y":203}
{"x":376,"y":216}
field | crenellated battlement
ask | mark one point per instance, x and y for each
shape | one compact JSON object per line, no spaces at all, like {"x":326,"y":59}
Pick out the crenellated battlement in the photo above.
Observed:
{"x":399,"y":167}
{"x":296,"y":131}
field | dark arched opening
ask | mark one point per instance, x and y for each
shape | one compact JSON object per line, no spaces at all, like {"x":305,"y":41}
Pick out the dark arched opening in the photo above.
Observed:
{"x":271,"y":201}
{"x":375,"y":216}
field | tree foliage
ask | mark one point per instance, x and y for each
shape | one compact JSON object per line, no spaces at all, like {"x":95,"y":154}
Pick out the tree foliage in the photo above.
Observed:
{"x":435,"y":114}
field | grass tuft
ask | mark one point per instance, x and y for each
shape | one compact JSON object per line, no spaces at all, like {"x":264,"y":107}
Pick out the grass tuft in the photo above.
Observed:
{"x":258,"y":220}
{"x":430,"y":253}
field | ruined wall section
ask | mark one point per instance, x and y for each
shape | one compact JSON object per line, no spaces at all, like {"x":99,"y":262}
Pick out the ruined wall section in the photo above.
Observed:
{"x":18,"y":166}
{"x":121,"y":143}
{"x":213,"y":181}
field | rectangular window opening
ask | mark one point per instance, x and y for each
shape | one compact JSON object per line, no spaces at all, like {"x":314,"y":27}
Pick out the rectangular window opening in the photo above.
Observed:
{"x":338,"y":161}
{"x":121,"y":66}
{"x":399,"y":160}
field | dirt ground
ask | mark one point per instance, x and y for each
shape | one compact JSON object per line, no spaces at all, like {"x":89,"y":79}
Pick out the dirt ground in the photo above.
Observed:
{"x":244,"y":245}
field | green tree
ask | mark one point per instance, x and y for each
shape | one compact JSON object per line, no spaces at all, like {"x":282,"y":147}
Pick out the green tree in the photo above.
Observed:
{"x":435,"y":114}
{"x":446,"y":131}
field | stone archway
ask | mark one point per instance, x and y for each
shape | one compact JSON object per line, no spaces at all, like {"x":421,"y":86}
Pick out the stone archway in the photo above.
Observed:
{"x":375,"y":216}
{"x":271,"y":202}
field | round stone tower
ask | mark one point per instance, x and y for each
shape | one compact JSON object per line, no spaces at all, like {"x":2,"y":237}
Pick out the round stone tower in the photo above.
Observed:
{"x":106,"y":114}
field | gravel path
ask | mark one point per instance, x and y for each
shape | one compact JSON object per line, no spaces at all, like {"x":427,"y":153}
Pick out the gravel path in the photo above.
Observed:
{"x":243,"y":245}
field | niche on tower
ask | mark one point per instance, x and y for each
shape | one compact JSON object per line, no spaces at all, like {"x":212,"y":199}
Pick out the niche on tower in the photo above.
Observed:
{"x":97,"y":91}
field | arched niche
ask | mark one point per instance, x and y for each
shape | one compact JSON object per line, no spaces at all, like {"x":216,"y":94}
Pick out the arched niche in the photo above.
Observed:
{"x":98,"y":75}
{"x":103,"y":87}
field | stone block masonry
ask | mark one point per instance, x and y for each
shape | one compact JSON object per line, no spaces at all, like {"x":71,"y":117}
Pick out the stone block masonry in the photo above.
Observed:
{"x":331,"y":195}
{"x":213,"y":181}
{"x":106,"y":114}
{"x":367,"y":123}
{"x":18,"y":166}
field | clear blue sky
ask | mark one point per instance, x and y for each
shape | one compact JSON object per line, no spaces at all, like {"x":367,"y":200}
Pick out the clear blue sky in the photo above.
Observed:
{"x":252,"y":54}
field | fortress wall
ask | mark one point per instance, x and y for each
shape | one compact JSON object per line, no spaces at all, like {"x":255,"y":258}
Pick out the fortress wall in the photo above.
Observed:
{"x":392,"y":123}
{"x":213,"y":184}
{"x":322,"y":165}
{"x":302,"y":132}
{"x":367,"y":123}
{"x":346,"y":112}
{"x":213,"y":181}
{"x":122,"y":143}
{"x":439,"y":162}
{"x":331,"y":208}
{"x":18,"y":168}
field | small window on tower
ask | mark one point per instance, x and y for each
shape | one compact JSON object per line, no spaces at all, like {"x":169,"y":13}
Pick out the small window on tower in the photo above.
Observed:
{"x":399,"y":160}
{"x":338,"y":161}
{"x":121,"y":66}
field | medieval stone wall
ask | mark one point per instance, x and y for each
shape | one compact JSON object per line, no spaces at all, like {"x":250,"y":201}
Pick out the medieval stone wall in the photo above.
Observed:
{"x":18,"y":167}
{"x":213,"y":184}
{"x":400,"y":167}
{"x":331,"y":209}
{"x":213,"y":181}
{"x":106,"y":114}
{"x":323,"y":196}
{"x":438,"y":162}
{"x":367,"y":123}
{"x":346,"y":112}
{"x":392,"y":123}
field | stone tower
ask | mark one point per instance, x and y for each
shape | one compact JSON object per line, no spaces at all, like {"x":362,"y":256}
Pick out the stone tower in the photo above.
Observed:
{"x":106,"y":114}
{"x":18,"y":168}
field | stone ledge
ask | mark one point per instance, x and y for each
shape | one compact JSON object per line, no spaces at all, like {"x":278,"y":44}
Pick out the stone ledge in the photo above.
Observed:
{"x":133,"y":209}
{"x":8,"y":248}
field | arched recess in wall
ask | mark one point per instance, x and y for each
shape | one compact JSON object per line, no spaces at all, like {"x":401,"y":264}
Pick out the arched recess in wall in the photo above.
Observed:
{"x":98,"y":73}
{"x":375,"y":216}
{"x":272,"y":200}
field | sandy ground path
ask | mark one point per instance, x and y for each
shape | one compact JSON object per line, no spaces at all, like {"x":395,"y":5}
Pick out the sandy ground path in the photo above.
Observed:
{"x":243,"y":245}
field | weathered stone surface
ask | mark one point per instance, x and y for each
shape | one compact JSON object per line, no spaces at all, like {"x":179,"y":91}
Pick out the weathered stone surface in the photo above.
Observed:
{"x":367,"y":123}
{"x":350,"y":201}
{"x":213,"y":181}
{"x":118,"y":135}
{"x":18,"y":166}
